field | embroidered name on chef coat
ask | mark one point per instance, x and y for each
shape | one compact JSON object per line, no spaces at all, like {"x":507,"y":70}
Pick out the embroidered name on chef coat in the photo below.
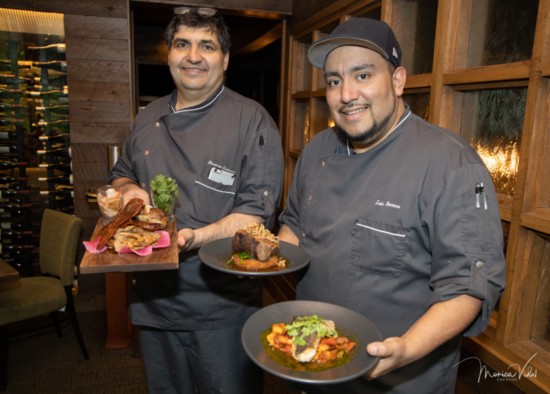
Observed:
{"x":221,"y":174}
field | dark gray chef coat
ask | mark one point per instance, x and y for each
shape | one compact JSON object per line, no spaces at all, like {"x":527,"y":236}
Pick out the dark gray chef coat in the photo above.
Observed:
{"x":226,"y":156}
{"x":396,"y":229}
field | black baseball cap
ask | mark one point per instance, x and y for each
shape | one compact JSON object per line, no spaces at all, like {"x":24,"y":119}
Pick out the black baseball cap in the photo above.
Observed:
{"x":364,"y":32}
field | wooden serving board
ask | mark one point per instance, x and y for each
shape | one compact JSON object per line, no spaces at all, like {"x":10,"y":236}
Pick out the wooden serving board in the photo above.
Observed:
{"x":160,"y":259}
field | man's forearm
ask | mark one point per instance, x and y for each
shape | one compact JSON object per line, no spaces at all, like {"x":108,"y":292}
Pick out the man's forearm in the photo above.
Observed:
{"x":287,"y":235}
{"x":441,"y":322}
{"x":223,"y":228}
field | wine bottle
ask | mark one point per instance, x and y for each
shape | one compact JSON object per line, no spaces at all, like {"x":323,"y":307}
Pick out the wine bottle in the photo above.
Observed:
{"x":11,"y":179}
{"x":49,"y":93}
{"x":15,"y":247}
{"x":61,"y":123}
{"x":11,"y":121}
{"x":52,"y":64}
{"x":58,"y":47}
{"x":60,"y":108}
{"x":10,"y":135}
{"x":9,"y":193}
{"x":12,"y":186}
{"x":67,"y":166}
{"x":15,"y":207}
{"x":66,"y":180}
{"x":24,"y":64}
{"x":59,"y":152}
{"x":19,"y":237}
{"x":64,"y":193}
{"x":53,"y":136}
{"x":11,"y":106}
{"x":8,"y":93}
{"x":12,"y":79}
{"x":9,"y":149}
{"x":17,"y":226}
{"x":8,"y":165}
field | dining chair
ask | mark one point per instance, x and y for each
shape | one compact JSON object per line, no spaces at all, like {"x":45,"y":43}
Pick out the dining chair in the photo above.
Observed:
{"x":48,"y":293}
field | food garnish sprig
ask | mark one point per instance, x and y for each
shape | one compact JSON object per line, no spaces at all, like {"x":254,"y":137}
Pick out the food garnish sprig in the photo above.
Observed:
{"x":304,"y":326}
{"x":164,"y":191}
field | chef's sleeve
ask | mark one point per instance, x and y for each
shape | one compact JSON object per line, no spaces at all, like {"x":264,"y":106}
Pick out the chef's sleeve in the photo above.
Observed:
{"x":467,"y":242}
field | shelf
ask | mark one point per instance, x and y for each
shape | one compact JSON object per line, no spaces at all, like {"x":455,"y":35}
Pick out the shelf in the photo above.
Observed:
{"x":538,"y":220}
{"x":486,"y":74}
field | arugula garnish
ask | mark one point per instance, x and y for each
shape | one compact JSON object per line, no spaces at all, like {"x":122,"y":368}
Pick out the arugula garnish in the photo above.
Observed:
{"x":303,"y":326}
{"x":164,"y":192}
{"x":240,"y":255}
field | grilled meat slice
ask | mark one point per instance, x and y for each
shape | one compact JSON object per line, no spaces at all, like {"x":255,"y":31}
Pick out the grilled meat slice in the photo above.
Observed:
{"x":131,"y":209}
{"x":259,"y":248}
{"x":133,"y":237}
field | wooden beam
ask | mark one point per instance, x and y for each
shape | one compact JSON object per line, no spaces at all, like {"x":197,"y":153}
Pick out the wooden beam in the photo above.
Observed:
{"x":267,"y":9}
{"x":261,"y":42}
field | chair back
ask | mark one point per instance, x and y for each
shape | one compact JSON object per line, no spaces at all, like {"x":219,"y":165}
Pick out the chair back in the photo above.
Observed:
{"x":59,"y":240}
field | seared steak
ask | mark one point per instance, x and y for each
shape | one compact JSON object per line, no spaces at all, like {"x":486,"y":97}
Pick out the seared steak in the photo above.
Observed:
{"x":259,"y":248}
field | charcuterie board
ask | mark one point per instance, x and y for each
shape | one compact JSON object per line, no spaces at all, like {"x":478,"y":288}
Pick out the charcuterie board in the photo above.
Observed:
{"x":160,"y":259}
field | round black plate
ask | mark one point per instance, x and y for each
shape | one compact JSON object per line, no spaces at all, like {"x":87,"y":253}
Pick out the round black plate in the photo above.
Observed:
{"x":361,"y":329}
{"x":216,"y":254}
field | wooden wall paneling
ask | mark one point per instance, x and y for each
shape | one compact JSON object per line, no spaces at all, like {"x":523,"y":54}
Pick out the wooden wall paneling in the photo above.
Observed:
{"x":104,"y":71}
{"x":537,"y":118}
{"x":111,"y":8}
{"x":98,"y":68}
{"x":97,"y":27}
{"x":444,"y":54}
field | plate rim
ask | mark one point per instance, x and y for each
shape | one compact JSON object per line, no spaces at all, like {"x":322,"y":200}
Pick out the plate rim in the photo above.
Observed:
{"x":321,"y":377}
{"x":283,"y":245}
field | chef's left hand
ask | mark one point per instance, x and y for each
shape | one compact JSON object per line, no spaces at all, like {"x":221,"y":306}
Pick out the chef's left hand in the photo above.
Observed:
{"x":186,"y":239}
{"x":391,"y":353}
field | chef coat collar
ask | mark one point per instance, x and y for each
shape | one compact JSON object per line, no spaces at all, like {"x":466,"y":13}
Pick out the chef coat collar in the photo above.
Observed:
{"x":205,"y":104}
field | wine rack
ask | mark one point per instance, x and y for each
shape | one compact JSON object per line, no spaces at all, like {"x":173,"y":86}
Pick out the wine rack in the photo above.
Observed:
{"x":35,"y":152}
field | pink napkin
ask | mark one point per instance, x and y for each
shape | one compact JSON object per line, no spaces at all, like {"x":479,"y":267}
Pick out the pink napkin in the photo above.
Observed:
{"x":163,"y":242}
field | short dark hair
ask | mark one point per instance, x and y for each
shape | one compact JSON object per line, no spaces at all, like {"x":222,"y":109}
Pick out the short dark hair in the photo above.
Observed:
{"x":195,"y":19}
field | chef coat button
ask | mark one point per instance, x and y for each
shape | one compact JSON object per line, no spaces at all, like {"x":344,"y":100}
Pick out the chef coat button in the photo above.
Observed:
{"x":480,"y":264}
{"x":133,"y":282}
{"x":309,"y":198}
{"x":303,"y":234}
{"x":146,"y":152}
{"x":322,"y":163}
{"x":143,"y":185}
{"x":157,"y":124}
{"x":266,"y":193}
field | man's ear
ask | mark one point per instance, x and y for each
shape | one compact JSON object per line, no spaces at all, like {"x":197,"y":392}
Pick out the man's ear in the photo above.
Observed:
{"x":225,"y":61}
{"x":398,"y":79}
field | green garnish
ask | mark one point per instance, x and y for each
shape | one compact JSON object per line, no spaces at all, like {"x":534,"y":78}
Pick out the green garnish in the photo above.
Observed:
{"x":164,"y":191}
{"x":304,"y":326}
{"x":241,"y":255}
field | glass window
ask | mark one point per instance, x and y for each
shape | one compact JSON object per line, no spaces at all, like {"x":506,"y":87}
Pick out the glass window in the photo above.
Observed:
{"x":414,"y":25}
{"x":506,"y":35}
{"x":492,"y":121}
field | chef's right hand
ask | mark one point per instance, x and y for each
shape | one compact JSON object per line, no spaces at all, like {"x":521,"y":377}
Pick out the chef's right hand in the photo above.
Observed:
{"x":131,"y":190}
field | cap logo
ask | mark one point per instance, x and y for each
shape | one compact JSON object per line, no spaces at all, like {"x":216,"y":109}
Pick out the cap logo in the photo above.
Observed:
{"x":394,"y":53}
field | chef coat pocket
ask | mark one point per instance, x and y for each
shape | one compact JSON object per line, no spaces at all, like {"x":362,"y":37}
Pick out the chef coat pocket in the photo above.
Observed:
{"x":377,"y":248}
{"x":213,"y":197}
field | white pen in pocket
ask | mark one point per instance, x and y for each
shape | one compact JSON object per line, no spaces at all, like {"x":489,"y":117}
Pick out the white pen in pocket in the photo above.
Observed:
{"x":482,"y":189}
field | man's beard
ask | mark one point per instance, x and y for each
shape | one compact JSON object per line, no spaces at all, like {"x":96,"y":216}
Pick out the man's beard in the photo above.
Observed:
{"x":373,"y":134}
